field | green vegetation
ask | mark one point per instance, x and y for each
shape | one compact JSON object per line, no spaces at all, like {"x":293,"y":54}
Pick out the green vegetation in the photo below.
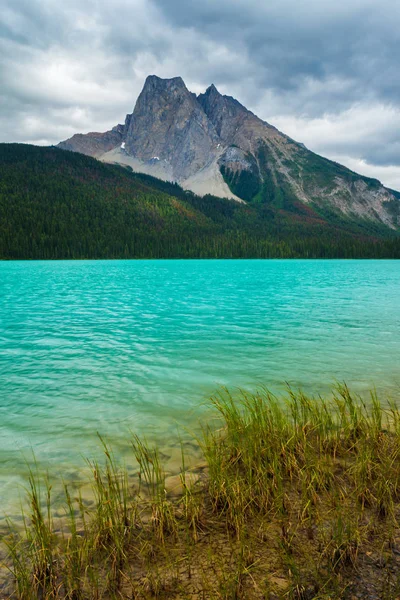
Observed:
{"x":56,"y":204}
{"x":299,"y":498}
{"x":271,"y":191}
{"x":243,"y":183}
{"x":321,"y":172}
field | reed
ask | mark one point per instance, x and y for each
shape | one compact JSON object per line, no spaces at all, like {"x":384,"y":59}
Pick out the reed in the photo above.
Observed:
{"x":300,"y":499}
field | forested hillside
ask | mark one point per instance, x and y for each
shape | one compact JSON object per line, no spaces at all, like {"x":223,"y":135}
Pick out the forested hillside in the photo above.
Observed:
{"x":57,"y":204}
{"x":212,"y":144}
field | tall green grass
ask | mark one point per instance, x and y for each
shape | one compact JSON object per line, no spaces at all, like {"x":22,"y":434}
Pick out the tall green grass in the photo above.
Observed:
{"x":300,"y":499}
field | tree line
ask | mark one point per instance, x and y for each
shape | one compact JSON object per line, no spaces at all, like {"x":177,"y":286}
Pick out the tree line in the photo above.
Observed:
{"x":56,"y":204}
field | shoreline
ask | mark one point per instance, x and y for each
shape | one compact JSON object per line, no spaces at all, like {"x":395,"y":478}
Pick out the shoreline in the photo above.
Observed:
{"x":294,"y":499}
{"x":204,"y":258}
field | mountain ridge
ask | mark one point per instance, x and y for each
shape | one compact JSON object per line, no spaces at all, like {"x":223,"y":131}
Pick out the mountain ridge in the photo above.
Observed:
{"x":212,"y":144}
{"x":56,"y":204}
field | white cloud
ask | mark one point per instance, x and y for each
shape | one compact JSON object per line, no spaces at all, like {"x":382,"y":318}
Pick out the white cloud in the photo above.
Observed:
{"x":324,"y":73}
{"x":389,"y":175}
{"x":361,"y":124}
{"x":364,"y":138}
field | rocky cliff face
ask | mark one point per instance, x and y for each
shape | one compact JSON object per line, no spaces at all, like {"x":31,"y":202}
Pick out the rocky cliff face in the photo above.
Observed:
{"x":95,"y":144}
{"x":168,"y":124}
{"x":213,"y":144}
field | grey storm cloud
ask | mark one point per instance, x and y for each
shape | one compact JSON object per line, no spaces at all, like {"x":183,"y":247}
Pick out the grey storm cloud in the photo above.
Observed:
{"x":324,"y":72}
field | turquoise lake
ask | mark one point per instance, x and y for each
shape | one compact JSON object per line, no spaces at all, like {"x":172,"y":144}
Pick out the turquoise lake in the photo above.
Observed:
{"x":120,"y":346}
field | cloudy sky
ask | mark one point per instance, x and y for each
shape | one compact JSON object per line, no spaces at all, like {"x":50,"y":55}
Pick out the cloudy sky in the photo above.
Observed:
{"x":325,"y":72}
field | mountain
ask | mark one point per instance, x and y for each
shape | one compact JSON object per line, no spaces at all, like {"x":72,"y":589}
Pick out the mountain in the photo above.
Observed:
{"x":56,"y":204}
{"x":211,"y":144}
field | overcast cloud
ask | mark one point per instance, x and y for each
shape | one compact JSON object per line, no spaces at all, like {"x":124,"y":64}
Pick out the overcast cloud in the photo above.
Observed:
{"x":324,"y":72}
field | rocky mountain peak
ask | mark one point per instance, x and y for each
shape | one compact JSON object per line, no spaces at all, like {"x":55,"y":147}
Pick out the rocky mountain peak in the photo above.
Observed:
{"x":212,"y":144}
{"x":159,"y":92}
{"x":155,"y":84}
{"x":169,"y":125}
{"x":211,"y":92}
{"x":224,"y":112}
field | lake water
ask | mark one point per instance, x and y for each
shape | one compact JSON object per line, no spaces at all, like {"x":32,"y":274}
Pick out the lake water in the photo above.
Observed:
{"x":120,"y":346}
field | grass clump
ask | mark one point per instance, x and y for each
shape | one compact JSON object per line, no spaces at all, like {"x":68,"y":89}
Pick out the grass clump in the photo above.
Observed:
{"x":298,"y":498}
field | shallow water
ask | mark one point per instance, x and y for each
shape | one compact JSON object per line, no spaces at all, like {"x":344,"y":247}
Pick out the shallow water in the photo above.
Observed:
{"x":120,"y":346}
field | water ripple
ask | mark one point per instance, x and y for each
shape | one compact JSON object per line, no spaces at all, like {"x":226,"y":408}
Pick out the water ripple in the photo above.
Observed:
{"x":113,"y":346}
